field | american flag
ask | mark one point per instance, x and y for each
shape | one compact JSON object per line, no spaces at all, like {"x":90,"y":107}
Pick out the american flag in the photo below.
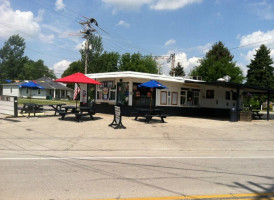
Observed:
{"x":76,"y":91}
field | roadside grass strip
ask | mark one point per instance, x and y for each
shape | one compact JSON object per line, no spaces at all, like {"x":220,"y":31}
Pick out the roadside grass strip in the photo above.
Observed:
{"x":252,"y":196}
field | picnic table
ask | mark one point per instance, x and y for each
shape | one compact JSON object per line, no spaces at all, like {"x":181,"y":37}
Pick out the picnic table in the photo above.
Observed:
{"x":256,"y":113}
{"x":148,"y":114}
{"x":79,"y":113}
{"x":31,"y":108}
{"x":84,"y":111}
{"x":56,"y":107}
{"x":67,"y":110}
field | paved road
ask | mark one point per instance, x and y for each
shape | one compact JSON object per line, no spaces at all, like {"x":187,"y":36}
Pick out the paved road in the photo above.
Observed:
{"x":45,"y":158}
{"x":143,"y":177}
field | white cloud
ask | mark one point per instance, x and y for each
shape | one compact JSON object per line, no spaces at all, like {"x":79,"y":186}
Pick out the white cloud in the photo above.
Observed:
{"x":59,"y":5}
{"x":172,"y":4}
{"x":170,"y":42}
{"x":257,"y":38}
{"x":187,"y":63}
{"x":127,"y":4}
{"x":40,"y":16}
{"x":250,"y":54}
{"x":60,"y":67}
{"x":264,"y":9}
{"x":80,"y":45}
{"x":20,"y":22}
{"x":153,"y":4}
{"x":203,"y":49}
{"x":123,"y":24}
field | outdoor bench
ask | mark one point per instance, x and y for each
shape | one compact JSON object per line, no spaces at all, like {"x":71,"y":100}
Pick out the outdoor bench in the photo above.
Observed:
{"x":31,"y":108}
{"x":80,"y":115}
{"x":149,"y":117}
{"x":63,"y":113}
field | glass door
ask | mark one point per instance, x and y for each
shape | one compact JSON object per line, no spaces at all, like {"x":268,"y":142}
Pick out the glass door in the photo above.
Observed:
{"x":122,"y":93}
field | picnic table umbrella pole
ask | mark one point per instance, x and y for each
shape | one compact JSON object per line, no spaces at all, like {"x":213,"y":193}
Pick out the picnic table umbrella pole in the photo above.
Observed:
{"x":154,"y":85}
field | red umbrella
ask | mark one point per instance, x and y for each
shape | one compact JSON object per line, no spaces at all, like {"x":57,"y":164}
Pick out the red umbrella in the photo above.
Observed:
{"x":77,"y":78}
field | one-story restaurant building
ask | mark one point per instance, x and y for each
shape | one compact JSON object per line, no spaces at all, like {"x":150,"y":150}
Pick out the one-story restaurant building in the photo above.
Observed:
{"x":183,"y":96}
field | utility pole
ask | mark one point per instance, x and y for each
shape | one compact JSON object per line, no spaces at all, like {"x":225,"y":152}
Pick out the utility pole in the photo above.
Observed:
{"x":86,"y":33}
{"x":172,"y":59}
{"x":86,"y":57}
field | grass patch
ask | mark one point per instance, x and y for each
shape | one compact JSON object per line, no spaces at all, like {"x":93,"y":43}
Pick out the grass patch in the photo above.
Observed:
{"x":45,"y":101}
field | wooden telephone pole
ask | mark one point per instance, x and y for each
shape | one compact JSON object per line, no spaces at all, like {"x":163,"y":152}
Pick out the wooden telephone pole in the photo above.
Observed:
{"x":87,"y":32}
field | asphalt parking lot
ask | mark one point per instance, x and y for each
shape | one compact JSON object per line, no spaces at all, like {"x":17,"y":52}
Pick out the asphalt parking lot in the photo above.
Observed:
{"x":48,"y":135}
{"x":44,"y":157}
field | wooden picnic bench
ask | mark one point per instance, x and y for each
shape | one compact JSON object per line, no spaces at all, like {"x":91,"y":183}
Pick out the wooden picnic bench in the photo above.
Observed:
{"x":148,"y":114}
{"x":79,"y":113}
{"x":85,"y":111}
{"x":56,"y":107}
{"x":67,"y":110}
{"x":149,"y":117}
{"x":31,"y":108}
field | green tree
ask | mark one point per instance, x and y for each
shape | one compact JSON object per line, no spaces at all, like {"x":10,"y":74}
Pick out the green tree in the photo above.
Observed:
{"x":179,"y":70}
{"x":12,"y":57}
{"x":74,"y":67}
{"x":218,"y":63}
{"x":96,"y":50}
{"x":108,"y":62}
{"x":137,"y":62}
{"x":260,"y":70}
{"x":33,"y":70}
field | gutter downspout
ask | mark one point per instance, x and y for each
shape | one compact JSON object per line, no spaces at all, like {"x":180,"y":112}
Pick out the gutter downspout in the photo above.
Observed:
{"x":268,"y":107}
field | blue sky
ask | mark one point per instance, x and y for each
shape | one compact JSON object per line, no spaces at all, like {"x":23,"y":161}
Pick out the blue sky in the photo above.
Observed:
{"x":187,"y":28}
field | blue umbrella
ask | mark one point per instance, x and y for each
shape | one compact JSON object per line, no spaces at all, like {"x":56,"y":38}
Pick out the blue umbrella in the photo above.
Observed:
{"x":152,"y":84}
{"x":31,"y":85}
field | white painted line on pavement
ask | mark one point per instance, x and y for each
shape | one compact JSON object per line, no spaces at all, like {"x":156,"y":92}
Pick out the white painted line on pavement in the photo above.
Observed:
{"x":132,"y":157}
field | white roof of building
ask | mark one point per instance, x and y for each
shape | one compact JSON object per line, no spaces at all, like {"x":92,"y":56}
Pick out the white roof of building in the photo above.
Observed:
{"x":140,"y":75}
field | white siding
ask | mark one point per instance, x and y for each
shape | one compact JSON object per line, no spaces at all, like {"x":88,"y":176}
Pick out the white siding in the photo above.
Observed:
{"x":12,"y":90}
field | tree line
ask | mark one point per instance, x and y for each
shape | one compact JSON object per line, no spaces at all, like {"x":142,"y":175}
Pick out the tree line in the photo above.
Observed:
{"x":103,"y":61}
{"x":15,"y":66}
{"x":218,"y":62}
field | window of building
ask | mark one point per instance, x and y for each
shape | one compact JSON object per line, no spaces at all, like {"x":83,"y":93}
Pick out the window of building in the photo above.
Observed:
{"x":234,"y":96}
{"x":106,"y":91}
{"x":142,"y":96}
{"x":39,"y":91}
{"x":174,"y":98}
{"x":163,"y":100}
{"x":196,"y":97}
{"x":227,"y":95}
{"x":183,"y":97}
{"x":210,"y":94}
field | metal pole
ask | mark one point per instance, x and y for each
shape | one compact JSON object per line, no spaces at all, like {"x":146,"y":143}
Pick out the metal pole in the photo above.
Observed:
{"x":268,"y":107}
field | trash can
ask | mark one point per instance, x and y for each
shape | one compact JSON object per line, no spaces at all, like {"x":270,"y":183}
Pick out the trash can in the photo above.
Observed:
{"x":233,"y":115}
